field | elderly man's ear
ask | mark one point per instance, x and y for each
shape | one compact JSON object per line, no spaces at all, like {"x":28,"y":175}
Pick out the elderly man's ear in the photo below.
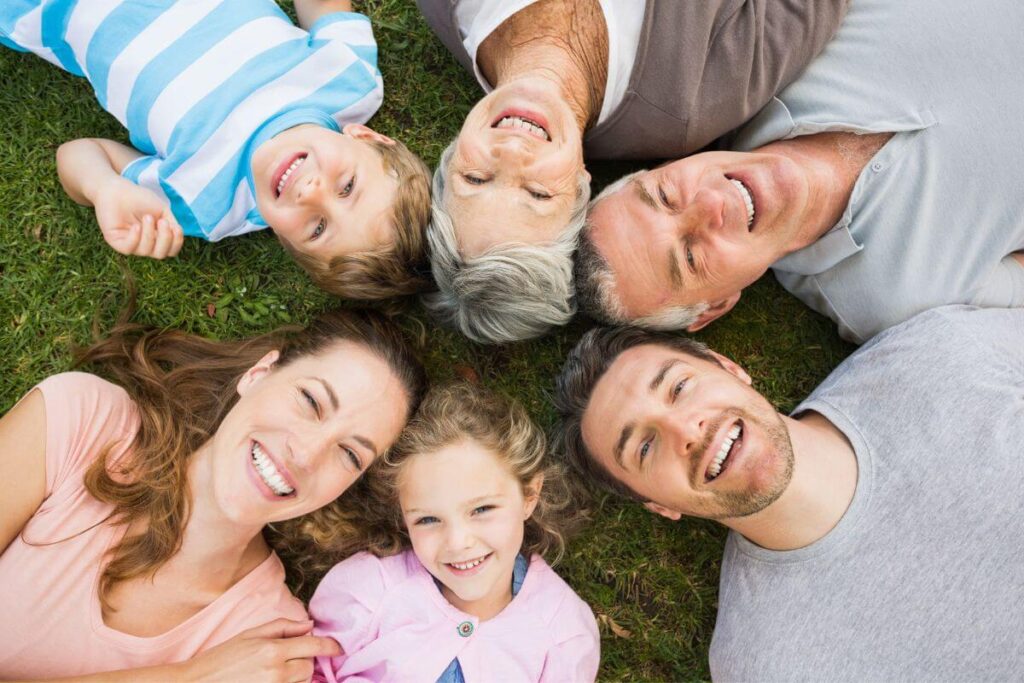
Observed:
{"x":714,"y":312}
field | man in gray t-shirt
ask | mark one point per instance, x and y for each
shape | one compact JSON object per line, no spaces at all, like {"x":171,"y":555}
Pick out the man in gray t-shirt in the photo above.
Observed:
{"x":881,"y":183}
{"x":876,"y":533}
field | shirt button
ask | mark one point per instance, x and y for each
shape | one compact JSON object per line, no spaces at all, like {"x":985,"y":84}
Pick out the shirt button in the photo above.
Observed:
{"x":877,"y":166}
{"x":465,"y":629}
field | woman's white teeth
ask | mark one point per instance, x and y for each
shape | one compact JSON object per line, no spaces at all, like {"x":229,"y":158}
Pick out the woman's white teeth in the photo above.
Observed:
{"x":716,"y":465}
{"x":523,"y":124}
{"x":268,"y":472}
{"x":287,"y":172}
{"x":748,"y":199}
{"x":463,"y":566}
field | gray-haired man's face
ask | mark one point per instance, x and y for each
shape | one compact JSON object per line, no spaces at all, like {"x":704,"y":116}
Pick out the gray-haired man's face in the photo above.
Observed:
{"x":700,"y":229}
{"x":690,"y":435}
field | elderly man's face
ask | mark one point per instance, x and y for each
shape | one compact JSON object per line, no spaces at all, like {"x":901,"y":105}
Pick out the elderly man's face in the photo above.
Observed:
{"x":511,"y":180}
{"x":700,"y":229}
{"x":689,"y":435}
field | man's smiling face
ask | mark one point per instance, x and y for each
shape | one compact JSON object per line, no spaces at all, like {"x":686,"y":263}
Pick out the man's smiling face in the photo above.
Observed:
{"x":689,"y":435}
{"x":700,"y":229}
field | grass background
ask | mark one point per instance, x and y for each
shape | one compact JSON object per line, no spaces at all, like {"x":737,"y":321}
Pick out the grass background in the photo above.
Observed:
{"x":652,"y":583}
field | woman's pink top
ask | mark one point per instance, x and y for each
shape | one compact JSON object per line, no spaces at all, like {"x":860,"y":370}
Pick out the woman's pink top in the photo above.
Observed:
{"x":50,"y":621}
{"x":395,"y":625}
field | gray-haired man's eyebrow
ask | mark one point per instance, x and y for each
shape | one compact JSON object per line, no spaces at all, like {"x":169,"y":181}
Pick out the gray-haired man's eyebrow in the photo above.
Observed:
{"x":643,"y":194}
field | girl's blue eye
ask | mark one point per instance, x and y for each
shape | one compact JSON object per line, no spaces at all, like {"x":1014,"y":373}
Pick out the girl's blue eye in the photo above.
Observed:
{"x":347,"y":190}
{"x":424,"y":521}
{"x":481,"y":509}
{"x":319,"y":229}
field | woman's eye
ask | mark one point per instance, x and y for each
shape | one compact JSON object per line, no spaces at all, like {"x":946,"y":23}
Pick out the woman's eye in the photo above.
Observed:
{"x":354,"y":458}
{"x":311,"y":401}
{"x":677,"y":388}
{"x":473,"y":180}
{"x":347,"y":190}
{"x":319,"y":229}
{"x":537,"y":194}
{"x":425,"y":521}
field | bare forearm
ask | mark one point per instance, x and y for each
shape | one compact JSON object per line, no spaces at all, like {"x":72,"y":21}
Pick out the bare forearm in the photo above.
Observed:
{"x":309,"y":11}
{"x":150,"y":674}
{"x":87,"y":164}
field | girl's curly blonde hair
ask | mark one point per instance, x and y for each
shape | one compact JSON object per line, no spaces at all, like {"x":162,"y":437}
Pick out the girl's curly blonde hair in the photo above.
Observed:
{"x":460,"y":411}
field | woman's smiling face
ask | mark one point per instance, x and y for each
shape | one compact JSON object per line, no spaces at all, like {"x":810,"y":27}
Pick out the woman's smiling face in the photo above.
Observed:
{"x":516,"y":168}
{"x":301,"y":434}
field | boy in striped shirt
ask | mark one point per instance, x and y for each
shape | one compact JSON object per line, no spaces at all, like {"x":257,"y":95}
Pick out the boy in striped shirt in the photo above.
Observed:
{"x":238,"y":120}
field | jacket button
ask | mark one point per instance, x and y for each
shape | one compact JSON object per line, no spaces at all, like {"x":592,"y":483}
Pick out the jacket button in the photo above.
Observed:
{"x":465,"y":629}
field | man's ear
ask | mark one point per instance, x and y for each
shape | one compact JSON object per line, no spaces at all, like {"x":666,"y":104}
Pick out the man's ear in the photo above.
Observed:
{"x":361,"y":132}
{"x":531,"y":495}
{"x":731,"y":367}
{"x":257,"y":371}
{"x":714,"y":312}
{"x":665,"y":512}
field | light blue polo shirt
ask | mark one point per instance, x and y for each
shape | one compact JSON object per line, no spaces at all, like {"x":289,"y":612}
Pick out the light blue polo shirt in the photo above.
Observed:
{"x":936,"y":212}
{"x":200,"y":84}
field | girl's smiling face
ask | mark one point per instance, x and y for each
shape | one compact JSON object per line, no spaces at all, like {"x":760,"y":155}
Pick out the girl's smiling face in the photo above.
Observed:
{"x":465,"y":511}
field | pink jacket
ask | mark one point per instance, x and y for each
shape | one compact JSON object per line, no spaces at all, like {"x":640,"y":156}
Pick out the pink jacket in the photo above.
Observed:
{"x":394,"y":625}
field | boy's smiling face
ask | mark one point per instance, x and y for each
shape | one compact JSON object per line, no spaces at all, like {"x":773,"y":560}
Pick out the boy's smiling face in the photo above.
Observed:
{"x":325,"y":193}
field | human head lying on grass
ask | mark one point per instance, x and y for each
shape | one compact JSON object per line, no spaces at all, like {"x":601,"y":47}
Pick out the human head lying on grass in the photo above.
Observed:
{"x":240,"y":121}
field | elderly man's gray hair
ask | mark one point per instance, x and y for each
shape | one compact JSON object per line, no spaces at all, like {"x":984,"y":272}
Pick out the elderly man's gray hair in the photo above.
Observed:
{"x":586,"y":365}
{"x":509,"y":292}
{"x":595,"y":282}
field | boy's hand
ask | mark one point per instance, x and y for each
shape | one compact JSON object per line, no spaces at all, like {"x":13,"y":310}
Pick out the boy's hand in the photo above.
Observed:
{"x":135,"y":221}
{"x":308,"y":11}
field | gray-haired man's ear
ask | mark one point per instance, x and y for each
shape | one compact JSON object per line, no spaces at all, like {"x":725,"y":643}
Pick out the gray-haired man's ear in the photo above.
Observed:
{"x":668,"y":513}
{"x":714,"y":312}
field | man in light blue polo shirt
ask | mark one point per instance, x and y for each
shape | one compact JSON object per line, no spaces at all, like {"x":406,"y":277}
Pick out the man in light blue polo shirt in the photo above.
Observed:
{"x":882,"y":183}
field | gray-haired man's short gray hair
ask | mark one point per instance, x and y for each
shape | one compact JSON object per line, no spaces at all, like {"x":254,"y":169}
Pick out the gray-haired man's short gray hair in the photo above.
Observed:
{"x":511,"y":291}
{"x":595,"y":282}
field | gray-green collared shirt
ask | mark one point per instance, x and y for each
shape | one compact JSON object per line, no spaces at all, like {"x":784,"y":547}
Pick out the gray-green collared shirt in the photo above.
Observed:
{"x":935,"y":214}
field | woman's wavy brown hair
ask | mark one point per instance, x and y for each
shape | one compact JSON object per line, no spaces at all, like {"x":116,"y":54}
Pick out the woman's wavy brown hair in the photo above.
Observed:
{"x":183,"y":386}
{"x":459,"y":411}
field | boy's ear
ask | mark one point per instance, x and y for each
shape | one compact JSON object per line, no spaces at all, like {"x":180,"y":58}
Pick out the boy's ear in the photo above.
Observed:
{"x":714,"y":312}
{"x":257,"y":371}
{"x":361,"y":132}
{"x":531,"y":495}
{"x":665,"y":512}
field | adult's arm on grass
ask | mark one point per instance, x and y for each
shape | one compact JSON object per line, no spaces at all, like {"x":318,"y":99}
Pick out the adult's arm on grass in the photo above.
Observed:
{"x":22,"y":465}
{"x":134,"y":220}
{"x":280,"y":651}
{"x":309,"y":11}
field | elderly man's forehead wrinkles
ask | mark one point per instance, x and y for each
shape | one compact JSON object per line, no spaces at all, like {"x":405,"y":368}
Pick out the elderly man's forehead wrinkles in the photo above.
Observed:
{"x":641,"y":191}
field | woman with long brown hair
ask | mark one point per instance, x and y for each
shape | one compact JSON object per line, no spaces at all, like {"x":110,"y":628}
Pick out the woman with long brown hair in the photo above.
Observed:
{"x":142,"y":517}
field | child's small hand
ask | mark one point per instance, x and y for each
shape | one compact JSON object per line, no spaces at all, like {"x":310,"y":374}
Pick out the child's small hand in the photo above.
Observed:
{"x":135,"y":221}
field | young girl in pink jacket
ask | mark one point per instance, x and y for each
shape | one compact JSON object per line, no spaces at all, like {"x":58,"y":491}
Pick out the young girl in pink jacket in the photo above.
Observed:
{"x":470,"y":489}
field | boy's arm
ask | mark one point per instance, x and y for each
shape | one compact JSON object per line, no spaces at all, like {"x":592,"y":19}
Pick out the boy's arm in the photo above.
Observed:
{"x":311,"y":10}
{"x":133,"y":219}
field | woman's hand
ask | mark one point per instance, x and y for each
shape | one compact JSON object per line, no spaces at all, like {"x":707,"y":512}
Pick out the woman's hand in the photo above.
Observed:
{"x":279,"y":651}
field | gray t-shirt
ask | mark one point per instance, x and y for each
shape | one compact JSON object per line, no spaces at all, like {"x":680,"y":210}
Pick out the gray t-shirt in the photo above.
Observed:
{"x":934,"y":215}
{"x":923,"y":577}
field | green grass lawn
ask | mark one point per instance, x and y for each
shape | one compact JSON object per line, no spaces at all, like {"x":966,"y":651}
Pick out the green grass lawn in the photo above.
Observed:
{"x":652,"y":583}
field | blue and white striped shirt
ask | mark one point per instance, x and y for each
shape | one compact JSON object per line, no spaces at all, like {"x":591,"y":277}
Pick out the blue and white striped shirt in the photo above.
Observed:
{"x":200,"y":84}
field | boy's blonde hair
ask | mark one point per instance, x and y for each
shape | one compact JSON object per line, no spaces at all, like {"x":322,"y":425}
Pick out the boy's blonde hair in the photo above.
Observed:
{"x":399,"y":270}
{"x":459,"y":411}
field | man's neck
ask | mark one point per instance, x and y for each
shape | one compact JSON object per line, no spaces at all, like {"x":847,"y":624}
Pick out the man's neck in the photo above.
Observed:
{"x":835,"y":161}
{"x":823,"y":483}
{"x":565,"y":41}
